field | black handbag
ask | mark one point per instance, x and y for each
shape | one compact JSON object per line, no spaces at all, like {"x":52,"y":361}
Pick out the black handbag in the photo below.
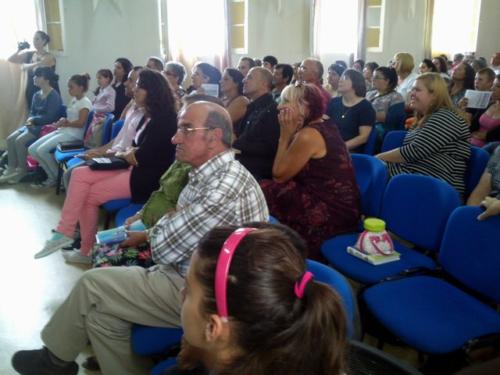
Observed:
{"x":107,"y":163}
{"x":69,"y":146}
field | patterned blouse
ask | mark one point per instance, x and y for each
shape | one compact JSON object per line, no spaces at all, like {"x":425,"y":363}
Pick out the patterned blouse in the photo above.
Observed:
{"x":382,"y":102}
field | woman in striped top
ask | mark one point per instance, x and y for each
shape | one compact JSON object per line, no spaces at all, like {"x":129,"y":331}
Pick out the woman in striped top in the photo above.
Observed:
{"x":439,"y":146}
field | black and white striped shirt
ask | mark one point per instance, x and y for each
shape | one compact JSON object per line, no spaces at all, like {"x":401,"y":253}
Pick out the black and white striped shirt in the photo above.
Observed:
{"x":440,"y":148}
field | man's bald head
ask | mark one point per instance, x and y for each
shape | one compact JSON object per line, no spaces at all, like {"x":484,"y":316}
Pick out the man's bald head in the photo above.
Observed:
{"x":311,"y":70}
{"x":259,"y":81}
{"x":214,"y":116}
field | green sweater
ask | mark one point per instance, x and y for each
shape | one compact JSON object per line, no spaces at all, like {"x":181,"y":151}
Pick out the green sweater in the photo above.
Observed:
{"x":165,"y":198}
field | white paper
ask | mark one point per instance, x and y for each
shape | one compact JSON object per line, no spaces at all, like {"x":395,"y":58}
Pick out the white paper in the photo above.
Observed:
{"x":477,"y":99}
{"x":102,"y":160}
{"x":211,"y":89}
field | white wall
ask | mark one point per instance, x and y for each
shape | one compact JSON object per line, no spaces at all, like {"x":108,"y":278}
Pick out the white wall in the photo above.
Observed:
{"x":279,"y":31}
{"x":94,"y":39}
{"x":403,"y":31}
{"x":278,"y":27}
{"x":489,"y":29}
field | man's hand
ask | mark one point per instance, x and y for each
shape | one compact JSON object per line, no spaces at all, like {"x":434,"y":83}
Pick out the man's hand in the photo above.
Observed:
{"x":131,"y":219}
{"x":492,"y":206}
{"x":134,"y":239}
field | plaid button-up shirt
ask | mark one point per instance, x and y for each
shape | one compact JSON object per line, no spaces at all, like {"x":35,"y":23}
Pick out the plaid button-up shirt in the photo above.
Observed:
{"x":220,"y":192}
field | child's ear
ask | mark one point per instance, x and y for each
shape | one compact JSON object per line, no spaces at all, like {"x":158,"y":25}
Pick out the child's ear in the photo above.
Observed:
{"x":216,"y":329}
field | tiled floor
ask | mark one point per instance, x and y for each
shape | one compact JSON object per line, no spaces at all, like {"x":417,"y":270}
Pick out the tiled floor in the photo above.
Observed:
{"x":30,"y":290}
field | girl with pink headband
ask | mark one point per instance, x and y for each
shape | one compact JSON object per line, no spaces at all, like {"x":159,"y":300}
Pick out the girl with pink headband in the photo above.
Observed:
{"x":251,"y":307}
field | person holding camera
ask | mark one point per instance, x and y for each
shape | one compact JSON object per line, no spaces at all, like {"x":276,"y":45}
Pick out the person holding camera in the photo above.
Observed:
{"x":30,"y":60}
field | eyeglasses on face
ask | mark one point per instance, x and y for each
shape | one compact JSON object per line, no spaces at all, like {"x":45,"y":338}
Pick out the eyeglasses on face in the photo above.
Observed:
{"x":184,"y":130}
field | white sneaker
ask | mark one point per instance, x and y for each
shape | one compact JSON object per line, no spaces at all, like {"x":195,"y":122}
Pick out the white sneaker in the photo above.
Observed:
{"x":44,"y":184}
{"x":57,"y":242}
{"x":8,"y":174}
{"x":16,"y":177}
{"x":74,"y":256}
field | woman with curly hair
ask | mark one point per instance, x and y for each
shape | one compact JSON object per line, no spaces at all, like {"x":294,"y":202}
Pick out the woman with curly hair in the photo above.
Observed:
{"x":148,"y":158}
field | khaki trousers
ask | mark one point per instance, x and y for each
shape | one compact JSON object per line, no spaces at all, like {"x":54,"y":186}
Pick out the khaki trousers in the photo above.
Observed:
{"x":101,"y":309}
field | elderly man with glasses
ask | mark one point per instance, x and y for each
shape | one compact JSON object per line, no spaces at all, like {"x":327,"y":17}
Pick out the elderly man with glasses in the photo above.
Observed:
{"x":105,"y":302}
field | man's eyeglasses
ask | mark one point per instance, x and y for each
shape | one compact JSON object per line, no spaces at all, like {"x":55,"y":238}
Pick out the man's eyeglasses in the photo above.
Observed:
{"x":185,"y":130}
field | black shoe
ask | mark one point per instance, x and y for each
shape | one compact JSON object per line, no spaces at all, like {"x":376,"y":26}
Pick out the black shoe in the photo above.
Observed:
{"x":38,"y":362}
{"x":91,"y":364}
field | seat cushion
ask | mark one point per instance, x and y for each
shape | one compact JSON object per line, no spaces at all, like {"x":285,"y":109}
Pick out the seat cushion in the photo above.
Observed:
{"x":151,"y":340}
{"x":126,"y":212}
{"x":334,"y":250}
{"x":430,"y":314}
{"x":61,"y":156}
{"x":116,"y":204}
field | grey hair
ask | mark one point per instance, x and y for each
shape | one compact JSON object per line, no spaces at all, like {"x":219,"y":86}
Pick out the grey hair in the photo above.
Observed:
{"x":178,"y":69}
{"x":216,"y":120}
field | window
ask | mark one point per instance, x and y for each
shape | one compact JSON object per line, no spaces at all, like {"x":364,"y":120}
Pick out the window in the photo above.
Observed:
{"x":335,"y":27}
{"x":18,"y":22}
{"x":54,"y":24}
{"x":239,"y":36}
{"x":201,"y":34}
{"x":462,"y":37}
{"x":374,"y":25}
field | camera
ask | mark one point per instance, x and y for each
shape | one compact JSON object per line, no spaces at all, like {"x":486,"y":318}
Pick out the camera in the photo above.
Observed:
{"x":23,"y":45}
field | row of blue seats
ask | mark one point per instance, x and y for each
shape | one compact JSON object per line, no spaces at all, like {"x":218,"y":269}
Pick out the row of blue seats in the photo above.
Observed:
{"x":110,"y":131}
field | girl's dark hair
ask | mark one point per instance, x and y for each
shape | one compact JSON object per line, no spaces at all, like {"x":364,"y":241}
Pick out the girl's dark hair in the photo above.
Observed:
{"x":390,"y":75}
{"x":81,"y":80}
{"x":210,"y":71}
{"x":372,"y":65}
{"x":277,"y":332}
{"x":45,"y":37}
{"x":160,"y":99}
{"x":47,"y":72}
{"x":106,"y":73}
{"x":237,"y":78}
{"x":470,"y":74}
{"x":358,"y":81}
{"x":443,"y":67}
{"x":430,"y":64}
{"x":127,"y":66}
{"x":337,"y":68}
{"x":360,"y":62}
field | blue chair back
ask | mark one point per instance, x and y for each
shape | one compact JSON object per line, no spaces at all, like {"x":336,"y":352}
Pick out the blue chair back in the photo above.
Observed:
{"x":107,"y":128}
{"x":62,"y":111}
{"x":339,"y":283}
{"x":117,"y":126}
{"x":470,"y":251}
{"x":393,"y":139}
{"x":475,"y":168}
{"x":395,"y":117}
{"x":416,"y":208}
{"x":89,"y":121}
{"x":371,"y":177}
{"x":371,"y":143}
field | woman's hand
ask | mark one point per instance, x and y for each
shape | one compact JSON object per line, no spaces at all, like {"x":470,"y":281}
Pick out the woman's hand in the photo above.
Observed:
{"x":62,"y":122}
{"x":492,"y":207}
{"x":463,"y":103}
{"x":129,"y":156}
{"x":134,"y":239}
{"x":132,"y":219}
{"x":290,"y":121}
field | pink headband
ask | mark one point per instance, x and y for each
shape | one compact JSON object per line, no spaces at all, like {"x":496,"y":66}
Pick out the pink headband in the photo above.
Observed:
{"x":222,"y":269}
{"x":222,"y":272}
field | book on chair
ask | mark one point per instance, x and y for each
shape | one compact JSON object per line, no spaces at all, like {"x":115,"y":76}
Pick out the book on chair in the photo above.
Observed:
{"x":119,"y":234}
{"x":373,"y":259}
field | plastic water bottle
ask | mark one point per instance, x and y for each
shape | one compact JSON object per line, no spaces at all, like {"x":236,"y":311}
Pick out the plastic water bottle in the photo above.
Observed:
{"x":375,"y":240}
